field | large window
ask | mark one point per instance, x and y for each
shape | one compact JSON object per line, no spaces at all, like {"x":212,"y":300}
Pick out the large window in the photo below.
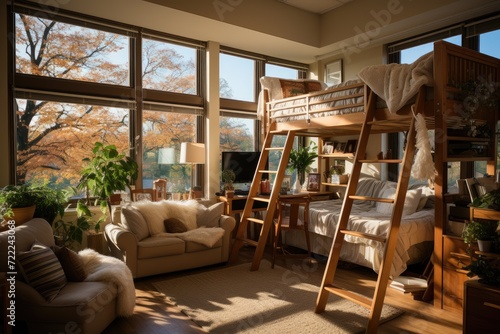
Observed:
{"x":50,"y":48}
{"x":237,"y":78}
{"x":78,"y":82}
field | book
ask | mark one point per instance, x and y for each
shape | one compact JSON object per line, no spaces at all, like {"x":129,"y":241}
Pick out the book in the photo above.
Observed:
{"x":408,"y":284}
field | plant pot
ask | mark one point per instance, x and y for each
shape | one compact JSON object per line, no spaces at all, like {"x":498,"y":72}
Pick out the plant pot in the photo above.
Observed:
{"x":95,"y":241}
{"x":21,"y":215}
{"x":297,"y":187}
{"x":176,"y":196}
{"x":485,"y":245}
{"x":343,"y":179}
{"x":229,"y":193}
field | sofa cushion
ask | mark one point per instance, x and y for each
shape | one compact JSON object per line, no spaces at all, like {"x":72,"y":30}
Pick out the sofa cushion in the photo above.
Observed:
{"x":41,"y":269}
{"x":133,"y":220}
{"x":210,"y":216}
{"x":174,"y":225}
{"x":71,"y":263}
{"x":158,"y":246}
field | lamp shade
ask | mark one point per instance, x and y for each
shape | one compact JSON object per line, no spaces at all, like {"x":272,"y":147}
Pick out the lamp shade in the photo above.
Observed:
{"x":193,"y":153}
{"x":166,"y":156}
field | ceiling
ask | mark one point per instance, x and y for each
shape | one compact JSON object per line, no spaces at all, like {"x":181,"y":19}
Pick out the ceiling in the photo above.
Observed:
{"x":315,"y":6}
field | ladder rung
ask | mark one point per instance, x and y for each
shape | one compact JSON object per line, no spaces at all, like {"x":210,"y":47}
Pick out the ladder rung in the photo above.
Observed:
{"x":268,"y":171}
{"x":374,"y":199}
{"x":262,"y":199}
{"x":354,"y":297}
{"x":251,"y":242}
{"x":274,"y":148}
{"x":375,"y":161}
{"x":255,"y":220}
{"x":363,"y":235}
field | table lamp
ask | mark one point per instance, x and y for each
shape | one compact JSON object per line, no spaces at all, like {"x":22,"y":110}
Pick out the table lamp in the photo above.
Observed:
{"x":192,"y":153}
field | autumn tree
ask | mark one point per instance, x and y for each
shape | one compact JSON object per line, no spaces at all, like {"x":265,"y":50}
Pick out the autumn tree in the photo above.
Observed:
{"x":53,"y":136}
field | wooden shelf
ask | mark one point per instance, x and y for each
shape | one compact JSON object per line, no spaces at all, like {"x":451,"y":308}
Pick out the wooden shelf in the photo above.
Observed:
{"x":338,"y":156}
{"x":334,"y":184}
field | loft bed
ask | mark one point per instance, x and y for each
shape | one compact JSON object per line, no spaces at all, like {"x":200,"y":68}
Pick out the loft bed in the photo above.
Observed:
{"x":311,"y":109}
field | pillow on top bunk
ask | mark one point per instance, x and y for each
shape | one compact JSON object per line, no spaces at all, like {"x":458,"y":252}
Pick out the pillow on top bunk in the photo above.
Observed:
{"x":411,"y":201}
{"x":283,"y":88}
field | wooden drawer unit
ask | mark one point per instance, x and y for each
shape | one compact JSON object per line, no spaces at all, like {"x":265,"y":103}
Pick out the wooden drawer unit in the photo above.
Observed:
{"x":455,"y":258}
{"x":481,"y":307}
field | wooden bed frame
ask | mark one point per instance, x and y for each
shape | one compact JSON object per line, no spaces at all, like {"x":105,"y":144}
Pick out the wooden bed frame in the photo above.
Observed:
{"x":453,"y":67}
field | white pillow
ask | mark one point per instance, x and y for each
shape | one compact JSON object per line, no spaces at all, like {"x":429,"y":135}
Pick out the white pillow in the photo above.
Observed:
{"x":154,"y":214}
{"x":209,"y":217}
{"x":411,"y":201}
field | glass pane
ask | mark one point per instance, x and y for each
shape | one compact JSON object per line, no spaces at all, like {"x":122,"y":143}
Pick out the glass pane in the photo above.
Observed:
{"x":60,"y":50}
{"x":237,"y":135}
{"x":488,"y":43}
{"x":163,"y":133}
{"x":237,"y":78}
{"x":53,"y":138}
{"x":281,"y":72}
{"x":168,"y":67}
{"x":409,"y":55}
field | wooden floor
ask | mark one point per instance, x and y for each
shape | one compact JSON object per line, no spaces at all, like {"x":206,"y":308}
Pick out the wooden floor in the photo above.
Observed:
{"x":154,"y":315}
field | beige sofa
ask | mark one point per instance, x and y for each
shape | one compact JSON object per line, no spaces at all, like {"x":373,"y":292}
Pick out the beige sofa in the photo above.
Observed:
{"x":138,"y":236}
{"x":79,"y":307}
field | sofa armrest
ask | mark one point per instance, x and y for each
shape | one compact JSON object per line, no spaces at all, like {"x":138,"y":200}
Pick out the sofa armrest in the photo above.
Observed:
{"x":227,"y":223}
{"x":122,"y":245}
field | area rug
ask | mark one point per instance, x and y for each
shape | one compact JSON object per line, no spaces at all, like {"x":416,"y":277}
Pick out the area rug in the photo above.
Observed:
{"x":237,"y":300}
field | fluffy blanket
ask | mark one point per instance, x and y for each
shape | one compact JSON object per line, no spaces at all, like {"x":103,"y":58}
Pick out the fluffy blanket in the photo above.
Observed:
{"x":207,"y":236}
{"x":400,"y":81}
{"x":109,"y":269}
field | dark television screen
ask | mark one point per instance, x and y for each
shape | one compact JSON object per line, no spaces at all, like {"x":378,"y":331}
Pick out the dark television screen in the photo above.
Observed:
{"x":243,"y":164}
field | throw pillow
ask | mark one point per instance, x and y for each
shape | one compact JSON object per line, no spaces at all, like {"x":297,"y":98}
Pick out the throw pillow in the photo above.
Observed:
{"x":71,"y":263}
{"x":132,"y":220}
{"x":154,"y":214}
{"x":41,"y":269}
{"x":411,"y":201}
{"x":210,"y":216}
{"x":292,"y":88}
{"x":174,"y":225}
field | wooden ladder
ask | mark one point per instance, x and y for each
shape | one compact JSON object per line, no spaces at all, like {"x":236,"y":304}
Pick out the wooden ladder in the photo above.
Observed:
{"x":271,"y":200}
{"x":375,"y":304}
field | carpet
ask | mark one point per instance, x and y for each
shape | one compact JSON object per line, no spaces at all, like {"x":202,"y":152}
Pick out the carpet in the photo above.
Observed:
{"x":237,"y":300}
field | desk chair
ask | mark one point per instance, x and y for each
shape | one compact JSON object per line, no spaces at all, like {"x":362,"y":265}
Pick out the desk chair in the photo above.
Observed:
{"x":287,"y":219}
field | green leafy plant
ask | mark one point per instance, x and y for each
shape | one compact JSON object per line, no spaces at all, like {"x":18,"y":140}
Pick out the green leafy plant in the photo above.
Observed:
{"x":13,"y":196}
{"x":71,"y":231}
{"x":337,"y":170}
{"x":301,"y":159}
{"x":107,"y":171}
{"x":487,"y":269}
{"x":49,"y":202}
{"x":474,"y":230}
{"x":490,"y":200}
{"x":228,"y":178}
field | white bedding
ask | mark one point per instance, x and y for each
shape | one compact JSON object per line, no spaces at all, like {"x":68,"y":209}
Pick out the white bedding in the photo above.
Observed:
{"x":415,"y":229}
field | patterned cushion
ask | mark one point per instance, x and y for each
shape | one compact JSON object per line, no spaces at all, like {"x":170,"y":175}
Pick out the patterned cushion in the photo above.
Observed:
{"x":133,"y":220}
{"x":71,"y":263}
{"x":174,"y":225}
{"x":42,"y":270}
{"x":292,"y":88}
{"x":313,"y":86}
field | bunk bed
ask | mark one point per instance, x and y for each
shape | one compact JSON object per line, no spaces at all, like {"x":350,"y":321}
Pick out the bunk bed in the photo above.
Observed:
{"x":309,"y":108}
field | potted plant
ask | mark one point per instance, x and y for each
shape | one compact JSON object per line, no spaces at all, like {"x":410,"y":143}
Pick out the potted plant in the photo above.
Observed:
{"x":49,"y":202}
{"x":18,"y":203}
{"x":68,"y":231}
{"x":337,"y":174}
{"x":105,"y":172}
{"x":300,"y":160}
{"x":484,"y":233}
{"x":228,"y":178}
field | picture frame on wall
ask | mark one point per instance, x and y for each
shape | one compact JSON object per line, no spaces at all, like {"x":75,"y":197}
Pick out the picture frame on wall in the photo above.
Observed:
{"x":333,"y":73}
{"x":313,"y":181}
